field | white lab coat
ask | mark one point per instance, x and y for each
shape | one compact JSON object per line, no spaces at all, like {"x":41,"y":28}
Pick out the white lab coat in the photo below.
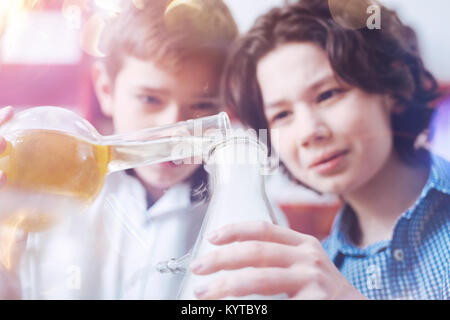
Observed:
{"x":111,"y":251}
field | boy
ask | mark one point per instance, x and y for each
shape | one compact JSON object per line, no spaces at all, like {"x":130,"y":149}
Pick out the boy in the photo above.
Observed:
{"x":348,"y":105}
{"x":160,"y":68}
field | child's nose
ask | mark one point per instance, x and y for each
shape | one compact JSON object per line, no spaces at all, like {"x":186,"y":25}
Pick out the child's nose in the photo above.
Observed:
{"x":310,"y":128}
{"x":174,"y":113}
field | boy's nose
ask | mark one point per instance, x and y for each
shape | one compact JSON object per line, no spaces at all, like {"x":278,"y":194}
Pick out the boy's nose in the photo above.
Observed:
{"x":174,"y":113}
{"x":310,"y":129}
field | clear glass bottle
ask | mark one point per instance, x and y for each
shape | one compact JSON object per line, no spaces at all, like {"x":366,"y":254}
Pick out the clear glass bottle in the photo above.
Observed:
{"x":236,"y":168}
{"x":56,"y":162}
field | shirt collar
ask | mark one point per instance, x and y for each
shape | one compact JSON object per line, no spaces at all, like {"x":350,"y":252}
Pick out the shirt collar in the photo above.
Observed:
{"x":438,"y":179}
{"x":440,"y":174}
{"x":339,"y":240}
{"x":176,"y":198}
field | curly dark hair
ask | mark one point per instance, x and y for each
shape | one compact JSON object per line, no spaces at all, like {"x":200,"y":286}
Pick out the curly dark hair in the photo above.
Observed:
{"x":380,"y":61}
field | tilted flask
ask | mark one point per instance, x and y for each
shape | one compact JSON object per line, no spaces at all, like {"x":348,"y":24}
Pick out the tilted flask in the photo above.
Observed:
{"x":56,"y":162}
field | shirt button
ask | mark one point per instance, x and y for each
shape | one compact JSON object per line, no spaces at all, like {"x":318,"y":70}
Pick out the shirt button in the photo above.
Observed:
{"x":398,"y":254}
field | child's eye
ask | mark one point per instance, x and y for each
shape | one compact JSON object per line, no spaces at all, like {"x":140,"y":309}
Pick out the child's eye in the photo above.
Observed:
{"x":151,"y":100}
{"x":280,"y":116}
{"x":329,"y":94}
{"x":204,"y":106}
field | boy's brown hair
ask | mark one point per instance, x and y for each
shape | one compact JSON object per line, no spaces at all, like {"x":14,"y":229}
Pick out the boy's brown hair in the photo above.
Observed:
{"x":381,"y":61}
{"x":168,"y":34}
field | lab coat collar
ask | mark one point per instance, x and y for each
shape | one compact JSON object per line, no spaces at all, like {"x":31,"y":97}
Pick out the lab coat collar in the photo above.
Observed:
{"x":176,"y":198}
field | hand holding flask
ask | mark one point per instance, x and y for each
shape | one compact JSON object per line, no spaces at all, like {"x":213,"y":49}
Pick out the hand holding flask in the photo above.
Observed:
{"x":236,"y":168}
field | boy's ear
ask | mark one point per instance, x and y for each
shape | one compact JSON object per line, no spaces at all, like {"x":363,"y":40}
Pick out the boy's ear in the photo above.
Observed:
{"x":392,"y":105}
{"x":103,"y":88}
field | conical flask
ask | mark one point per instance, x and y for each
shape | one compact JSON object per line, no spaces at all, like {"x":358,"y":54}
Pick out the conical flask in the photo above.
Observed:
{"x":56,"y":162}
{"x":236,"y":167}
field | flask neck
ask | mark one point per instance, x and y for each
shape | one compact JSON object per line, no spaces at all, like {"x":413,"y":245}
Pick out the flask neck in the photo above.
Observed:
{"x":236,"y":164}
{"x":211,"y":126}
{"x":183,"y":142}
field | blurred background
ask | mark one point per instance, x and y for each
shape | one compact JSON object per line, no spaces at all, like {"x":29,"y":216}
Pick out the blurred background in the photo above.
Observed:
{"x":47,"y":47}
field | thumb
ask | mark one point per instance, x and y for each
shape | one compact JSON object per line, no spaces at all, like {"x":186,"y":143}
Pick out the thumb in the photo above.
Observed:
{"x":13,"y":242}
{"x":6,"y":114}
{"x":12,"y":245}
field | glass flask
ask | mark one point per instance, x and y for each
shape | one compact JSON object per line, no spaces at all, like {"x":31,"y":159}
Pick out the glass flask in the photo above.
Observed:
{"x":236,"y":167}
{"x":56,"y":162}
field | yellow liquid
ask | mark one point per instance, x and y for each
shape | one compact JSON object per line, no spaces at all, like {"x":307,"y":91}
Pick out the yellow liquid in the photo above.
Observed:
{"x":54,"y":166}
{"x":50,"y":173}
{"x":51,"y":161}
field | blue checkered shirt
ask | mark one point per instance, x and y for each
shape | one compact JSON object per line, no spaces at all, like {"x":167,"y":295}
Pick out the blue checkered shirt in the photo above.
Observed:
{"x":415,"y":263}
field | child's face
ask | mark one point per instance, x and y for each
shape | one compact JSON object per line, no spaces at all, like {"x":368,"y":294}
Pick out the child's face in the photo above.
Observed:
{"x":317,"y":116}
{"x":146,"y":95}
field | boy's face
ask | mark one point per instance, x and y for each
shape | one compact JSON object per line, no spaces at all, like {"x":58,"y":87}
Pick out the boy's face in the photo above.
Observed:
{"x":145,"y":95}
{"x":319,"y":119}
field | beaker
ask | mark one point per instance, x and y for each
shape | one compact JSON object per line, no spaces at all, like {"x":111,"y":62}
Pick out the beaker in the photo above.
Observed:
{"x":236,"y":168}
{"x":56,"y":162}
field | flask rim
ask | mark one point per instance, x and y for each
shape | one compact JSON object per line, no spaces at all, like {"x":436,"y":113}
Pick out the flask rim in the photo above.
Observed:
{"x":234,"y":140}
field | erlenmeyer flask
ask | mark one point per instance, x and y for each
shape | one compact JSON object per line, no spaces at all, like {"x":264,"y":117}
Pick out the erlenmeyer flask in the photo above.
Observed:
{"x":56,"y":162}
{"x":236,"y":168}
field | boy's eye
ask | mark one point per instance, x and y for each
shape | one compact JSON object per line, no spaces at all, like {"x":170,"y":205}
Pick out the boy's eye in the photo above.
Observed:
{"x":280,"y":115}
{"x":329,"y":94}
{"x":152,"y":100}
{"x":204,"y":106}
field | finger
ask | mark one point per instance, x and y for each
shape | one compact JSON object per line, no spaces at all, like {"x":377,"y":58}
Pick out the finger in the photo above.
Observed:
{"x":257,"y":230}
{"x":264,"y":281}
{"x":2,"y":179}
{"x":10,"y":288}
{"x":247,"y":254}
{"x":6,"y":114}
{"x":2,"y":145}
{"x":13,"y":244}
